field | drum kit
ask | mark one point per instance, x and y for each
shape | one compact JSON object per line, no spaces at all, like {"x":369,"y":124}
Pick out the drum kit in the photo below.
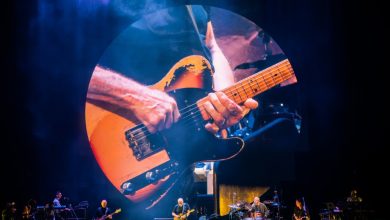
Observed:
{"x":242,"y":211}
{"x":239,"y":210}
{"x":331,"y":214}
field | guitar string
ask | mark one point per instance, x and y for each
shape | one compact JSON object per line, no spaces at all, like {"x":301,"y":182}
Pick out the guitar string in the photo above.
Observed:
{"x":193,"y":119}
{"x":194,"y":115}
{"x":189,"y":122}
{"x":231,"y":92}
{"x":227,"y":90}
{"x":191,"y":116}
{"x":244,"y":86}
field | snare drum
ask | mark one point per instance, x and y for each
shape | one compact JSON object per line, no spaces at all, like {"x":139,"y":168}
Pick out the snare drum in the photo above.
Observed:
{"x":256,"y":214}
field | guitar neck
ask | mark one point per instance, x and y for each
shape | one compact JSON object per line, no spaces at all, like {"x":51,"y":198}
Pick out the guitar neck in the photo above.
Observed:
{"x":260,"y":82}
{"x":113,"y":213}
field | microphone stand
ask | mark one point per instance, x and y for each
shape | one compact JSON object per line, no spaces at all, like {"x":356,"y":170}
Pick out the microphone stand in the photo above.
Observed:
{"x":276,"y":200}
{"x":304,"y":207}
{"x":73,"y":212}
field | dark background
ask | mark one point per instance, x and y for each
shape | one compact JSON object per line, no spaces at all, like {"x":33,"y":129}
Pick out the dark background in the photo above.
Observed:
{"x":49,"y":49}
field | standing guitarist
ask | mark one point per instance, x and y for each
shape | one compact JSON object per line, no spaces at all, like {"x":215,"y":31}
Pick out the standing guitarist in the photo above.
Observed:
{"x":103,"y":212}
{"x":300,"y":212}
{"x":181,"y":210}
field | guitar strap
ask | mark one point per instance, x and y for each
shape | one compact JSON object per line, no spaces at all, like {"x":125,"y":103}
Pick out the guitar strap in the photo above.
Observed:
{"x":195,"y":25}
{"x":189,"y":9}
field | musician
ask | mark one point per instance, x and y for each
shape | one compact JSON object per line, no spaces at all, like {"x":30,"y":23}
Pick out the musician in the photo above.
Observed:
{"x":26,"y":212}
{"x":115,"y":85}
{"x":9,"y":213}
{"x":60,"y":210}
{"x":29,"y":209}
{"x":258,"y":208}
{"x":103,"y":212}
{"x":57,"y":200}
{"x":300,"y":212}
{"x":181,"y":210}
{"x":354,"y":206}
{"x":354,"y":198}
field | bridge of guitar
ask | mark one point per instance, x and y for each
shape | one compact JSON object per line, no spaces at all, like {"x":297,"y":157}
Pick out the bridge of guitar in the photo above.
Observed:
{"x":143,"y":143}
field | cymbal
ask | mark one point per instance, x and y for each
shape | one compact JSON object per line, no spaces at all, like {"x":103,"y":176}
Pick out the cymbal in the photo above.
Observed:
{"x":234,"y":206}
{"x":325,"y":213}
{"x":268,"y":201}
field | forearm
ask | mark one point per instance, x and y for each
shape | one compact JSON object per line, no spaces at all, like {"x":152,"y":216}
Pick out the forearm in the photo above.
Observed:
{"x":153,"y":108}
{"x":114,"y":89}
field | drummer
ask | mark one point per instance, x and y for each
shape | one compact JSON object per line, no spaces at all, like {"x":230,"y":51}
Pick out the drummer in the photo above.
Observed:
{"x":259,"y":209}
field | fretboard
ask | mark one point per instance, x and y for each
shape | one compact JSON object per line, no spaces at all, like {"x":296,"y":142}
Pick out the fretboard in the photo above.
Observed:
{"x":260,"y":82}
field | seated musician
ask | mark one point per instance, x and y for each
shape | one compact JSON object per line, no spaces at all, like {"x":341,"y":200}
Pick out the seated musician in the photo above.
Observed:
{"x":181,"y":210}
{"x":259,"y":209}
{"x":56,"y":200}
{"x":60,"y":211}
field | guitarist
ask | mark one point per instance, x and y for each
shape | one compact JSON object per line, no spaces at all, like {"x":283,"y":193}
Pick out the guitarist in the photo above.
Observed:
{"x":181,"y":210}
{"x":115,"y":84}
{"x":300,"y":212}
{"x":103,"y":212}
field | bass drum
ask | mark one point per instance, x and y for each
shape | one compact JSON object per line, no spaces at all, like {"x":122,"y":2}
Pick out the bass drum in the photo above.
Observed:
{"x":238,"y":215}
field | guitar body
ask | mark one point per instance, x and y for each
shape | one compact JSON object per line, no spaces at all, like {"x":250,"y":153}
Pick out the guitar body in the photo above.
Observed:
{"x":143,"y":165}
{"x":139,"y":163}
{"x":179,"y":218}
{"x":183,"y":216}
